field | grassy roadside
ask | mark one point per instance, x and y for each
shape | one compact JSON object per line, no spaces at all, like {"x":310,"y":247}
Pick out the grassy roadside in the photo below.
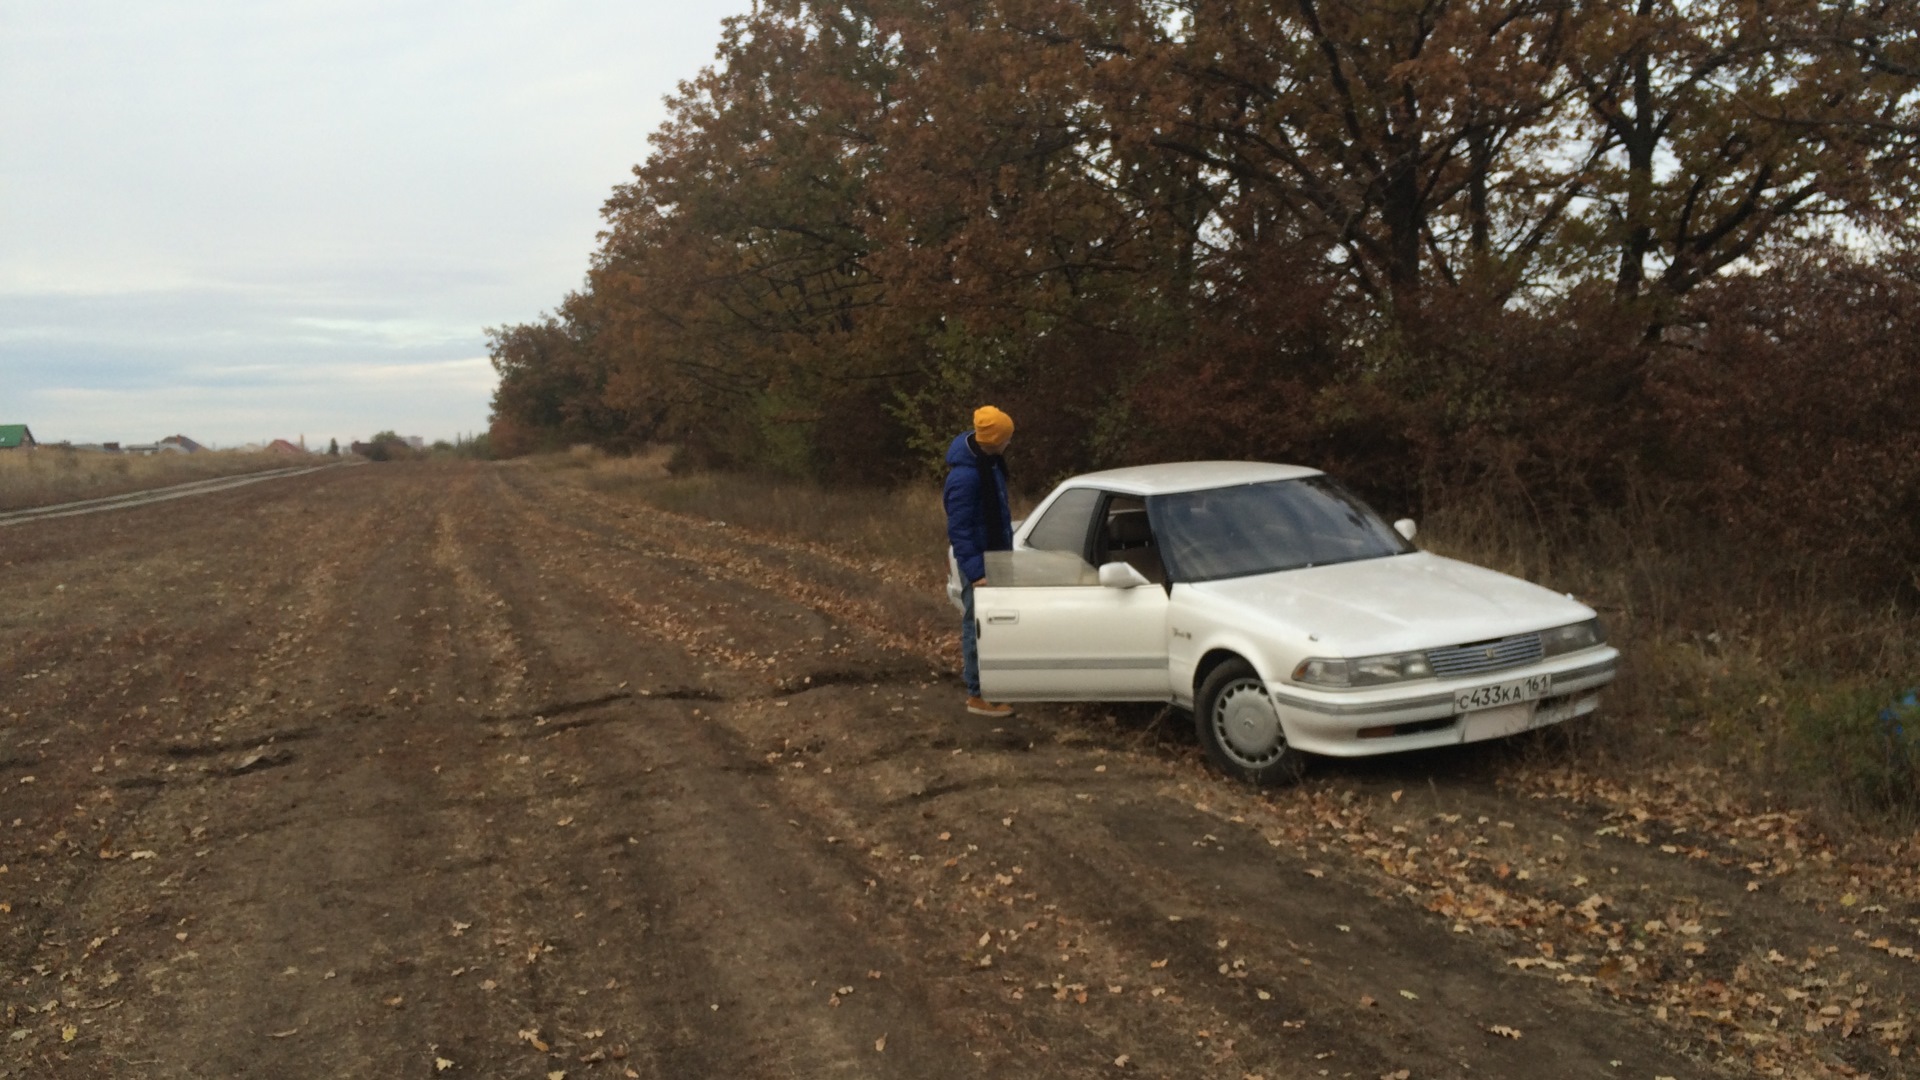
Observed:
{"x":47,"y":476}
{"x":1770,"y":681}
{"x":906,"y":528}
{"x":1766,"y":674}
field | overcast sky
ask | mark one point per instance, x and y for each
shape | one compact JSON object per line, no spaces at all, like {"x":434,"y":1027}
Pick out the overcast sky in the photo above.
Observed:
{"x":242,"y":221}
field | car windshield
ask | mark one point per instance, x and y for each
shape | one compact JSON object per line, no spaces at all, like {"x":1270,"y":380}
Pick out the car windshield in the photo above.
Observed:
{"x":1261,"y":528}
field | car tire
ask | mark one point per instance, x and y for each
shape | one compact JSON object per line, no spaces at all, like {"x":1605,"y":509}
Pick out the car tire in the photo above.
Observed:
{"x":1236,"y":722}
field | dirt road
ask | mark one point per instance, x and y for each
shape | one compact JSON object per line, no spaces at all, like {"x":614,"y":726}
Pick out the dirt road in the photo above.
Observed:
{"x":130,"y":500}
{"x":423,"y":770}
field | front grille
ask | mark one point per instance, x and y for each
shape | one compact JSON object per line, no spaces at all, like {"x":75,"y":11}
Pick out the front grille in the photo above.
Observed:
{"x":1485,"y":655}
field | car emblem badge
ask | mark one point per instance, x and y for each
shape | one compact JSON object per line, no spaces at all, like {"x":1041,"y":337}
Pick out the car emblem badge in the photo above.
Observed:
{"x":1491,"y":653}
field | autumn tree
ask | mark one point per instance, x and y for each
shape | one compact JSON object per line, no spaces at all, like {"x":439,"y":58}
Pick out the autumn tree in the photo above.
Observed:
{"x":1460,"y":232}
{"x":1717,"y":126}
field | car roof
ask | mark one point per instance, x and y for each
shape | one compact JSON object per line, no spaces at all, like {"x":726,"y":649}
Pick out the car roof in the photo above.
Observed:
{"x":1188,"y":476}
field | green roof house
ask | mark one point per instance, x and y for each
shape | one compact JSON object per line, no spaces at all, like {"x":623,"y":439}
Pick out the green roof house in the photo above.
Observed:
{"x":16,"y":437}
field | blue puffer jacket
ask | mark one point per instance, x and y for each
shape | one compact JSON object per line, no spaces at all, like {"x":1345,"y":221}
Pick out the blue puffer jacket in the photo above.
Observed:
{"x":978,"y":517}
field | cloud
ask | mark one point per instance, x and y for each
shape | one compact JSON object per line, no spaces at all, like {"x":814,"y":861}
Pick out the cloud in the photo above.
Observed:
{"x":436,"y":400}
{"x":240,"y":221}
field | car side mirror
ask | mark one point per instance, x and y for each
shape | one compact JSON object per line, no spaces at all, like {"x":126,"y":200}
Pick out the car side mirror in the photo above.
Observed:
{"x":1405,"y":527}
{"x":1119,"y":575}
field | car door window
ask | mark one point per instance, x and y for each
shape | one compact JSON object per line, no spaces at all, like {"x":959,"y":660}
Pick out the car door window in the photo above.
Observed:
{"x":1067,"y":523}
{"x":1032,"y":569}
{"x":1125,"y":536}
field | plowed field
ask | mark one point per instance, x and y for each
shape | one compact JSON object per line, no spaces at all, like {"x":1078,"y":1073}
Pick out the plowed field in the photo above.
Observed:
{"x":418,"y":770}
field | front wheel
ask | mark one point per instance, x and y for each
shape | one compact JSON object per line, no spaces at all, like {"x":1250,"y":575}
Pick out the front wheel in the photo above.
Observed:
{"x":1238,"y":725}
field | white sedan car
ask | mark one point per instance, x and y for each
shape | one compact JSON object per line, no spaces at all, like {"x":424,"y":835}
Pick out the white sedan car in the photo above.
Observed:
{"x":1282,"y":611}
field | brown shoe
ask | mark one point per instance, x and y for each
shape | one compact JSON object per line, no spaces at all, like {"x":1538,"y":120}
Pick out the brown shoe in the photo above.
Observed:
{"x":983,"y":707}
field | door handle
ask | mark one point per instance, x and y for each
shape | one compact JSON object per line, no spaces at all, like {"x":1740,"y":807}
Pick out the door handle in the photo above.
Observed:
{"x":997,"y":618}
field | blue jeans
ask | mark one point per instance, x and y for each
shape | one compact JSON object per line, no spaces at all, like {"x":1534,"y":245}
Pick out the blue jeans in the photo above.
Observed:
{"x":969,"y":642}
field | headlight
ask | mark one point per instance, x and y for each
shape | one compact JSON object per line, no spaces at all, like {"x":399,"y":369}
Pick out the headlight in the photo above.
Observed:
{"x":1366,"y":671}
{"x":1566,"y":639}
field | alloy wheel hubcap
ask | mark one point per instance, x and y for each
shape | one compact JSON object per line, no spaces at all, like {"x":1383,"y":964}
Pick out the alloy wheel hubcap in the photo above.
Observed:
{"x":1244,"y":719}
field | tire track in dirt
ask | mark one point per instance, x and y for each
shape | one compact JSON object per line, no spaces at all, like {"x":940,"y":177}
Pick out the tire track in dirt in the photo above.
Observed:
{"x":839,"y":590}
{"x":243,"y":857}
{"x":543,"y":783}
{"x":707,"y":987}
{"x":881,"y":836}
{"x":132,"y":499}
{"x":110,"y":735}
{"x":1069,"y":896}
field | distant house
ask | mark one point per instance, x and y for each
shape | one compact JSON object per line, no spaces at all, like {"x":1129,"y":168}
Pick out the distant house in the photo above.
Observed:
{"x":179,"y":444}
{"x":282,"y":446}
{"x":16,"y":437}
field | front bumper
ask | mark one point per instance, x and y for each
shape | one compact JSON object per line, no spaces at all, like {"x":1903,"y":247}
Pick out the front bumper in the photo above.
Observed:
{"x":1422,"y":714}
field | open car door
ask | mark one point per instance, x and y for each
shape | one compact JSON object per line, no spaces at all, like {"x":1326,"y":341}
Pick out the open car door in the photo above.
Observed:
{"x":1049,"y":631}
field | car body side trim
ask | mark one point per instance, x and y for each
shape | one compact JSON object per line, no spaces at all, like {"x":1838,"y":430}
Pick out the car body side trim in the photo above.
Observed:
{"x":1099,"y":663}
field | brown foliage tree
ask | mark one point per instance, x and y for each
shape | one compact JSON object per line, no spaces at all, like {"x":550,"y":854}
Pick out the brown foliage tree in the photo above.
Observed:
{"x":1427,"y":241}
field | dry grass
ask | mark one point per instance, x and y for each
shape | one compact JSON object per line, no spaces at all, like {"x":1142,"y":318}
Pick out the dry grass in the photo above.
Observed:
{"x":45,"y":476}
{"x":905,"y":527}
{"x":1769,"y":673}
{"x":1766,"y":674}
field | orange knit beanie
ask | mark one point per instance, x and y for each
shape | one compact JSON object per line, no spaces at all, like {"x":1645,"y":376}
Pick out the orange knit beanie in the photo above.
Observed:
{"x":991,"y":427}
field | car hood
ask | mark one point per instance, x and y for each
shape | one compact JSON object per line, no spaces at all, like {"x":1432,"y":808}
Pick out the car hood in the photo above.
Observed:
{"x":1395,"y":604}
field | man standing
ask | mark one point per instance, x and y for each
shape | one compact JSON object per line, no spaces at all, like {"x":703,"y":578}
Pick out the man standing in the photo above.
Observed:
{"x":978,"y":521}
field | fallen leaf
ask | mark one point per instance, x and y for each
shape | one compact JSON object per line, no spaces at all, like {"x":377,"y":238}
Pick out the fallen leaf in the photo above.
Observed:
{"x":532,"y":1038}
{"x":1366,"y":1001}
{"x":441,"y":1064}
{"x":1121,"y":1061}
{"x":880,"y":1044}
{"x":1504,"y":1031}
{"x":1410,"y":995}
{"x":69,"y":1033}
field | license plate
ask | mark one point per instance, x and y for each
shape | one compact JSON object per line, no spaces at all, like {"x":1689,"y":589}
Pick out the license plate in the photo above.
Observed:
{"x":1506,"y":693}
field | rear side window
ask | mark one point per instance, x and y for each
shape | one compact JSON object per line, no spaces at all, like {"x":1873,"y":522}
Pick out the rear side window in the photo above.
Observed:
{"x":1067,"y":523}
